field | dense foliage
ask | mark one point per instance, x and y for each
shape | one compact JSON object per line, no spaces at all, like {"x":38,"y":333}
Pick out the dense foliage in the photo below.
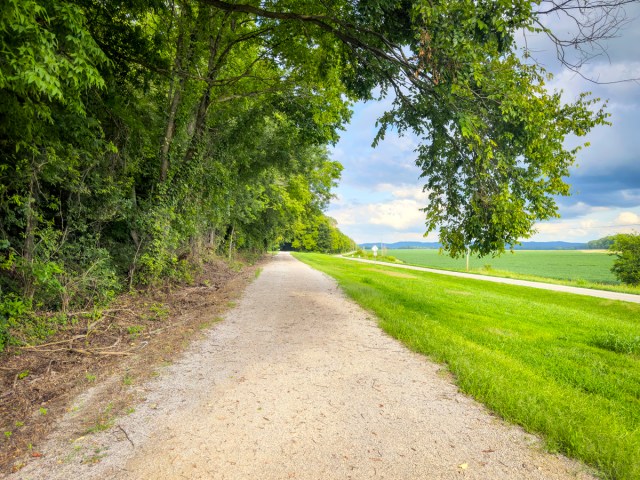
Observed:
{"x":626,"y":266}
{"x":600,"y":244}
{"x":320,"y":234}
{"x":136,"y":133}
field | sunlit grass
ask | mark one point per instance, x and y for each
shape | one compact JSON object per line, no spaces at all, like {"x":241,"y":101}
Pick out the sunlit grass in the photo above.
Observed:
{"x":586,"y":269}
{"x":562,"y":365}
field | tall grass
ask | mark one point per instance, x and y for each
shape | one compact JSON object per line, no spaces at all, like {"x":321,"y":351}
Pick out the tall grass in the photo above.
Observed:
{"x":564,"y":366}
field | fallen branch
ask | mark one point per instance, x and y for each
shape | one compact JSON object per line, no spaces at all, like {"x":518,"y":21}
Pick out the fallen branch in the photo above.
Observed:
{"x":38,"y":348}
{"x":126,"y":435}
{"x":93,"y":352}
{"x":44,"y":350}
{"x":49,"y":366}
{"x":101,"y":312}
{"x":111,"y":346}
{"x":31,"y":347}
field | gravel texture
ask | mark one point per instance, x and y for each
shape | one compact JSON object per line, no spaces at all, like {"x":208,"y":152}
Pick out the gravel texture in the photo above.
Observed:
{"x":299,"y":382}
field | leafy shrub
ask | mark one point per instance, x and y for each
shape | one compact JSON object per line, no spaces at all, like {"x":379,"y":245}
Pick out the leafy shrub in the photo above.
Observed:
{"x":89,"y":276}
{"x":626,"y":267}
{"x":12,"y":310}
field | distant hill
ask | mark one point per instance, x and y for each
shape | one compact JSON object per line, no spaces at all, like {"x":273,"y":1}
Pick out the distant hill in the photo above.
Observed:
{"x":524,"y":246}
{"x":396,"y":245}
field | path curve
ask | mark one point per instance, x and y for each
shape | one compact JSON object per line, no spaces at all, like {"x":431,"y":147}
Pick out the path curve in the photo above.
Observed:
{"x":299,"y":382}
{"x":625,"y":297}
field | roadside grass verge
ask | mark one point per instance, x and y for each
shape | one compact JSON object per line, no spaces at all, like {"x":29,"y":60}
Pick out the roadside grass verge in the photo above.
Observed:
{"x":564,"y":366}
{"x":611,"y":287}
{"x":571,"y":268}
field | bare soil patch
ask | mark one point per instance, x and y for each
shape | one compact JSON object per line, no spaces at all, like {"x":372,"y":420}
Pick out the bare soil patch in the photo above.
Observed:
{"x":123,"y":345}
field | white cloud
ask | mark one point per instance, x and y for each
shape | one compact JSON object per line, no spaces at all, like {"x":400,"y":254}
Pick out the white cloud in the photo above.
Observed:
{"x":403,"y":191}
{"x":628,"y":218}
{"x":402,"y":214}
{"x":405,"y":143}
{"x":557,"y":228}
{"x":573,"y":84}
{"x":596,"y":225}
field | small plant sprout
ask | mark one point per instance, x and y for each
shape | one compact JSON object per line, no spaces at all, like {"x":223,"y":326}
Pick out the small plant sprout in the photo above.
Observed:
{"x":134,"y":331}
{"x":160,"y":311}
{"x":127,"y":379}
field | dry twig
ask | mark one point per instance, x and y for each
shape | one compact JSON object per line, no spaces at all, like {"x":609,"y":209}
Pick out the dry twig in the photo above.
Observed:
{"x":126,"y":435}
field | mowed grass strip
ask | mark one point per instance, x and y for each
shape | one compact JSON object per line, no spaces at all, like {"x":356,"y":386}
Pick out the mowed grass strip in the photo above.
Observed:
{"x":578,"y":268}
{"x":564,"y":366}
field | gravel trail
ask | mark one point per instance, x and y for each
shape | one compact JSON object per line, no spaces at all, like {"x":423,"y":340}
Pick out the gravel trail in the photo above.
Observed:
{"x":299,"y":382}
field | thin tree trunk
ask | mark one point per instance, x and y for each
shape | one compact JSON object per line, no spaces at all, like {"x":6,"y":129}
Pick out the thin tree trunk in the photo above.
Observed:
{"x":168,"y":136}
{"x":184,"y":52}
{"x":233,"y":229}
{"x":203,"y":106}
{"x":28,"y":252}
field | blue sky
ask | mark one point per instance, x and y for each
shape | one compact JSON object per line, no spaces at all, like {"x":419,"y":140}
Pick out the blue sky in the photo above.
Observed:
{"x":380,"y":194}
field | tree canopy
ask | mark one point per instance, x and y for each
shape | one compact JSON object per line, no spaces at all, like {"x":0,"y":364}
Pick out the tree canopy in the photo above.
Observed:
{"x":492,"y":152}
{"x":136,"y":132}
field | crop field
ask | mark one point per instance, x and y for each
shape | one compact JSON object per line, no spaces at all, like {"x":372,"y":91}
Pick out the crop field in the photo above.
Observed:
{"x":562,"y":365}
{"x":576,"y":265}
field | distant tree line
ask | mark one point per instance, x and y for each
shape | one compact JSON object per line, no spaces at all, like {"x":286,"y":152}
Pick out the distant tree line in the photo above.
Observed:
{"x":321,"y":235}
{"x":603,"y":243}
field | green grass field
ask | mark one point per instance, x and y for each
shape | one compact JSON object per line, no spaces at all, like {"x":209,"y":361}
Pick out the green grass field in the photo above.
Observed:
{"x":587,"y":269}
{"x":573,"y":265}
{"x":564,"y":366}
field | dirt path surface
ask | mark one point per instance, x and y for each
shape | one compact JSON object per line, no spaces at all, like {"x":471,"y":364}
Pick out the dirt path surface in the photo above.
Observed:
{"x":589,"y":292}
{"x":299,"y":382}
